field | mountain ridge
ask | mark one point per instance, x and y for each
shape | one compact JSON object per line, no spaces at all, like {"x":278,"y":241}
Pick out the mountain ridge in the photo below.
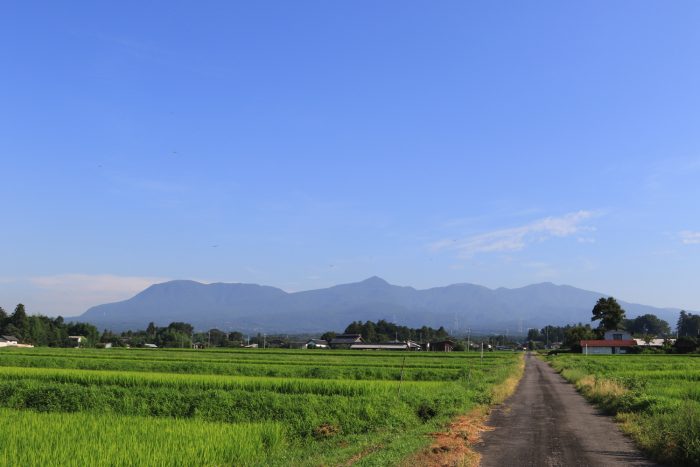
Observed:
{"x":262,"y":308}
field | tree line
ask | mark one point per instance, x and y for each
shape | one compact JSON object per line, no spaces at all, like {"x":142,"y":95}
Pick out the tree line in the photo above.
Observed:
{"x":384,"y":331}
{"x":610,"y":315}
{"x":175,"y":334}
{"x":41,"y":330}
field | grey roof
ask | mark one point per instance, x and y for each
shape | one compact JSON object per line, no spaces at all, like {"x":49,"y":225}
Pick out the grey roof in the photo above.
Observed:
{"x":346,"y":340}
{"x":402,"y":346}
{"x":10,"y":338}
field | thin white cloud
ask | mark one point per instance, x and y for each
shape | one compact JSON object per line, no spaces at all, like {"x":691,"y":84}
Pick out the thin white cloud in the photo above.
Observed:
{"x":689,"y":237}
{"x":517,"y":238}
{"x":71,"y":294}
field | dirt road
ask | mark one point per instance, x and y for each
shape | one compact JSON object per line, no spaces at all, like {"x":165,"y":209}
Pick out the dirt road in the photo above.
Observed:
{"x":547,"y":423}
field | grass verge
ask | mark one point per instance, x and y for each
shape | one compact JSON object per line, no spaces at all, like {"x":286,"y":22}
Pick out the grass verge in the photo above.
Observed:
{"x":655,"y":405}
{"x":453,"y":446}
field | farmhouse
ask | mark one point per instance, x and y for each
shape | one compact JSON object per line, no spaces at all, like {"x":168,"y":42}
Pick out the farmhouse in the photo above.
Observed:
{"x":276,"y":343}
{"x":441,"y":346}
{"x":654,"y":343}
{"x":8,"y":341}
{"x":344,"y":341}
{"x":614,"y":342}
{"x":393,"y":345}
{"x":76,"y":340}
{"x":317,"y":344}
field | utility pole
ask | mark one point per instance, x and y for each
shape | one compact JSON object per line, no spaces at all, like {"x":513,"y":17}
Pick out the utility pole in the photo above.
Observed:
{"x":264,"y":341}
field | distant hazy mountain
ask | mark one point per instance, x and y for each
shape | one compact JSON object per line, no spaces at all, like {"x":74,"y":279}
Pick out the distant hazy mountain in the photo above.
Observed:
{"x":256,"y":308}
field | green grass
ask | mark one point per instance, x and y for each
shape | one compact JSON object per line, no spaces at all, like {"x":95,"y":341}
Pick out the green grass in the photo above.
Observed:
{"x":302,"y":407}
{"x":92,"y":439}
{"x":656,"y":397}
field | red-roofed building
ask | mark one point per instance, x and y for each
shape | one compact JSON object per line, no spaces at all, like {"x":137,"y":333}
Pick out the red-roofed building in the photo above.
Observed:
{"x":614,"y":342}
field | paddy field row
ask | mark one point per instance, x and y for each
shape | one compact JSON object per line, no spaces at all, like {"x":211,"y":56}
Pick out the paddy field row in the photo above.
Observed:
{"x":235,"y":407}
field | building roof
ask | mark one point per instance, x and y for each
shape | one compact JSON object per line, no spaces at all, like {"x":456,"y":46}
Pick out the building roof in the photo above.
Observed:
{"x":402,"y":346}
{"x":318,"y":341}
{"x":609,"y":343}
{"x":654,"y":342}
{"x":347,"y":339}
{"x":10,"y":338}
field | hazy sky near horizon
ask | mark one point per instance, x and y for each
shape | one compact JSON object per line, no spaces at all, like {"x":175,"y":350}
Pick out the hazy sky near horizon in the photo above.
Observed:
{"x":304,"y":144}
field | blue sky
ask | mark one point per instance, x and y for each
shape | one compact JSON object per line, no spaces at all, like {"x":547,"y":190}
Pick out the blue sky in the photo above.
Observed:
{"x":304,"y":144}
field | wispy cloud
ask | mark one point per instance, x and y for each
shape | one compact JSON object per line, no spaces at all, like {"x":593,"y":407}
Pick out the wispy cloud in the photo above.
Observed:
{"x":517,"y":238}
{"x":103,"y":284}
{"x":689,"y":237}
{"x":71,"y":294}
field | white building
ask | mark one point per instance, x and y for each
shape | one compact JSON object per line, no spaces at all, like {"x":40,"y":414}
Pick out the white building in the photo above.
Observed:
{"x":8,"y":341}
{"x":613,"y":342}
{"x":317,"y":344}
{"x":77,"y":340}
{"x":657,"y":343}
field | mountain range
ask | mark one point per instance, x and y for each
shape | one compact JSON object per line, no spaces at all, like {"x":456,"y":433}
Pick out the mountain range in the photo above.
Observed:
{"x":258,"y":308}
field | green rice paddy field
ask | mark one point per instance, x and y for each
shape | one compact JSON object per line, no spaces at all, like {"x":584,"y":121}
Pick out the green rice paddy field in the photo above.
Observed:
{"x":656,"y":397}
{"x":234,"y":407}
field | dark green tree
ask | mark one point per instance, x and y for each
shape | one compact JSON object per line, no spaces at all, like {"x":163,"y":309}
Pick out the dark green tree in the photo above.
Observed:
{"x":575,"y":334}
{"x":688,"y":324}
{"x":19,"y":320}
{"x":216,"y":338}
{"x":151,"y":330}
{"x":686,"y":344}
{"x":609,"y":313}
{"x":328,"y":335}
{"x":534,"y":334}
{"x":86,"y":330}
{"x":235,"y":338}
{"x":185,"y":328}
{"x":647,"y":324}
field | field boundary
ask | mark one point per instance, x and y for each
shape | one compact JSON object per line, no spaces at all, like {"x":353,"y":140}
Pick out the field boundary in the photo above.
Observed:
{"x":670,"y":438}
{"x":455,"y":445}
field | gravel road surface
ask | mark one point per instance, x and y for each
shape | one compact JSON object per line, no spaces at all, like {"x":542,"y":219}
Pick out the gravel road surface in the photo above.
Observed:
{"x":547,"y":423}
